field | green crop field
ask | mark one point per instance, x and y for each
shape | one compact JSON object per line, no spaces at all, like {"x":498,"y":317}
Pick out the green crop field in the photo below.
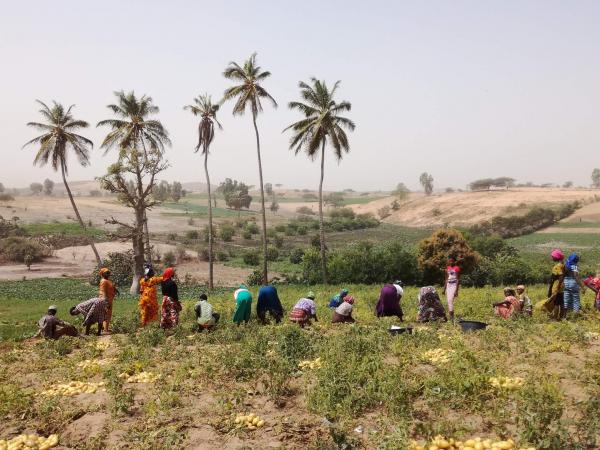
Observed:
{"x":64,"y":228}
{"x":329,"y":386}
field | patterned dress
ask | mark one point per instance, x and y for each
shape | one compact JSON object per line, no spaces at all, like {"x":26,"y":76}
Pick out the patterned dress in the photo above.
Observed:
{"x":148,"y":301}
{"x":93,"y":310}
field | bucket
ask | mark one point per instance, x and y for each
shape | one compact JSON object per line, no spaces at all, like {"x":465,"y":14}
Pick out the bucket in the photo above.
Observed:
{"x":399,"y":330}
{"x":472,"y":325}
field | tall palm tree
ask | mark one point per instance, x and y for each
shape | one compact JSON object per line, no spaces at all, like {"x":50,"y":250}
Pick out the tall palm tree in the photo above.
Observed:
{"x":204,"y":107}
{"x":133,"y":130}
{"x":59,"y":134}
{"x":321,"y":125}
{"x":248,"y":93}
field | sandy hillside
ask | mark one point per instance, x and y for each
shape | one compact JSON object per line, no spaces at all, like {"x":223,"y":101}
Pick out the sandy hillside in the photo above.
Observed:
{"x":468,"y":208}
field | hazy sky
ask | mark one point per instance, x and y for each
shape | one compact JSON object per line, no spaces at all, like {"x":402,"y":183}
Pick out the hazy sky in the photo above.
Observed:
{"x":461,"y":89}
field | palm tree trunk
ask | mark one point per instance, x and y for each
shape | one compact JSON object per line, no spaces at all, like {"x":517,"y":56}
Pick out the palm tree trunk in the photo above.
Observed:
{"x":64,"y":177}
{"x":321,"y":227}
{"x":262,"y":203}
{"x":210,"y":223}
{"x":148,"y":253}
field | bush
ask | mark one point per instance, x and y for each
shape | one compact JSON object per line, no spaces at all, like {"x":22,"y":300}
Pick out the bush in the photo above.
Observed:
{"x":255,"y":278}
{"x":246,"y":234}
{"x":342,"y":213}
{"x":302,"y":230}
{"x":251,"y":258}
{"x":120,"y":265}
{"x":226,"y":232}
{"x":169,"y":259}
{"x":280,"y":228}
{"x":305,"y":210}
{"x":222,"y":255}
{"x":252,"y":227}
{"x":180,"y":254}
{"x":384,"y":212}
{"x":296,"y":256}
{"x":192,"y":235}
{"x":272,"y":253}
{"x":15,"y":249}
{"x":278,"y":241}
{"x":203,"y":254}
{"x":6,"y":198}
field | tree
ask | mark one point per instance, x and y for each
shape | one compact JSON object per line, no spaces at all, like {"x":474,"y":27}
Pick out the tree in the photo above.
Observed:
{"x":335,"y":199}
{"x":141,"y":143}
{"x":48,"y":186}
{"x":36,"y":188}
{"x":434,"y":251}
{"x":426,"y":181}
{"x":568,"y":184}
{"x":235,"y":194}
{"x":274,"y":206}
{"x":322,"y":124}
{"x":596,"y":178}
{"x":59,"y":135}
{"x":269,"y":189}
{"x":176,"y":191}
{"x":248,"y":93}
{"x":401,"y":191}
{"x":207,"y":111}
{"x":162,"y":191}
{"x":1,"y":188}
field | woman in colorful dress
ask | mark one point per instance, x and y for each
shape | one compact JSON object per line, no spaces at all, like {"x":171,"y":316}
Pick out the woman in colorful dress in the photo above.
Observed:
{"x":430,"y":306}
{"x":389,"y":302}
{"x":343,"y":313}
{"x":206,"y":319}
{"x":509,"y":306}
{"x":148,"y":299}
{"x":593,"y":282}
{"x":555,"y":303}
{"x":243,"y":309}
{"x":452,"y":284}
{"x":573,"y":285}
{"x":169,"y":314}
{"x":268,"y":302}
{"x":304,"y":310}
{"x":93,"y":311}
{"x":107,"y":291}
{"x":524,"y":300}
{"x":337,"y":299}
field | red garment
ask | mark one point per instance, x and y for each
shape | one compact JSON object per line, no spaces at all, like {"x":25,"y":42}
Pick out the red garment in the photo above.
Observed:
{"x":508,"y":307}
{"x":454,"y":269}
{"x":168,"y":274}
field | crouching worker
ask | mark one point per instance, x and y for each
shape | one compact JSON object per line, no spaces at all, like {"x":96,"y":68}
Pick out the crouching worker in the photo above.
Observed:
{"x":509,"y":306}
{"x":93,"y":311}
{"x":304,"y":310}
{"x":430,"y":306}
{"x":268,"y":301}
{"x":343,"y":313}
{"x":51,"y":327}
{"x":206,"y":319}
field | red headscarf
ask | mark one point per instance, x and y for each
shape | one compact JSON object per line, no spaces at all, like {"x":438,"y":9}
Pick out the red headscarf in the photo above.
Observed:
{"x":168,"y":274}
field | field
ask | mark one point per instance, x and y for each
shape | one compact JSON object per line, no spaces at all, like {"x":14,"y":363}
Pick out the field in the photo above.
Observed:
{"x":368,"y":389}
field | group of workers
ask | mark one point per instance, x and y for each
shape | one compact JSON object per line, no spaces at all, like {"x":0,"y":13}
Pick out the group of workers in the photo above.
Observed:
{"x":563,"y":296}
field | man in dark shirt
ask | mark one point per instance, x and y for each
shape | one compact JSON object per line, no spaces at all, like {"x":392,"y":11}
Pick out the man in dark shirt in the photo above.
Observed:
{"x":51,"y":327}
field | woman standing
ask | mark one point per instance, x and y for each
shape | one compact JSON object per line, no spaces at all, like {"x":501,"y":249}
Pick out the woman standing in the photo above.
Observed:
{"x":107,"y":291}
{"x":452,"y":284}
{"x":556,"y":288}
{"x":573,"y":285}
{"x":243,"y":309}
{"x":171,"y":307}
{"x":148,"y":301}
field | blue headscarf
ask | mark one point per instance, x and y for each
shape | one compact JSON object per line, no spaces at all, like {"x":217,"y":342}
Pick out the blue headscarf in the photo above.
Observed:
{"x":572,"y":260}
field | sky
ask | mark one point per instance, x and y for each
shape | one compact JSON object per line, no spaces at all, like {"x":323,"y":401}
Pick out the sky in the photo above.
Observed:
{"x":460,"y":89}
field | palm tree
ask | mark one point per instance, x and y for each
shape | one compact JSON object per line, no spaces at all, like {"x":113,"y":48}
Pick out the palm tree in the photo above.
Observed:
{"x":249,"y":93}
{"x":207,"y":111}
{"x":321,"y":124}
{"x":58,"y":136}
{"x":133,"y":130}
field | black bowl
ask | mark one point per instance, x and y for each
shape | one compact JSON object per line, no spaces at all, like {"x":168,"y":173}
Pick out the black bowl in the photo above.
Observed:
{"x":472,"y":325}
{"x":408,"y":330}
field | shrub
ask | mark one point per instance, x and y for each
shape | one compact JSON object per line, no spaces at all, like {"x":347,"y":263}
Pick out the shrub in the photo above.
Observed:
{"x":272,"y":253}
{"x":192,"y":235}
{"x":169,"y":259}
{"x":203,"y":254}
{"x":302,"y":230}
{"x":342,"y":213}
{"x":251,"y":258}
{"x":17,"y":248}
{"x":121,"y":268}
{"x":246,"y":234}
{"x":222,"y":255}
{"x":278,"y":241}
{"x":280,"y":228}
{"x":383,"y":212}
{"x":6,"y":198}
{"x":255,"y":278}
{"x":296,"y":256}
{"x":305,"y":210}
{"x":226,"y":232}
{"x":180,"y":254}
{"x":252,"y":227}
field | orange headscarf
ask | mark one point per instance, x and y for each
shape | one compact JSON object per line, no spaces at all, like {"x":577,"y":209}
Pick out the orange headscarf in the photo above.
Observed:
{"x":168,"y":274}
{"x":104,"y":271}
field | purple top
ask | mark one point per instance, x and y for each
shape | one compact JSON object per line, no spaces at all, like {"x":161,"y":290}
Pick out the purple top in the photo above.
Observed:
{"x":307,"y":305}
{"x":389,"y":302}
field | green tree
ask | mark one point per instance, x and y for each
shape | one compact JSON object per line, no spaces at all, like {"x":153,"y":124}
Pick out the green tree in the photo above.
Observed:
{"x":176,"y":191}
{"x":141,"y":142}
{"x":322,"y":124}
{"x":207,"y":111}
{"x":596,"y":178}
{"x":48,"y":186}
{"x":59,"y":135}
{"x":248,"y":94}
{"x":401,"y":191}
{"x":426,"y":181}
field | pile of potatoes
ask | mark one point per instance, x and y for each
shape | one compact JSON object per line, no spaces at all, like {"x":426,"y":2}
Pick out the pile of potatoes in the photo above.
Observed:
{"x":506,"y":382}
{"x":29,"y":442}
{"x":438,"y":356}
{"x":308,"y":364}
{"x":95,"y":363}
{"x":73,"y":388}
{"x":250,"y":421}
{"x":102,"y":345}
{"x":440,"y":443}
{"x":142,"y":377}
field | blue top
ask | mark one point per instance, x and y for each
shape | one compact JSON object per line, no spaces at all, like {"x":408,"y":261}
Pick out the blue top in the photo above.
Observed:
{"x":268,"y":300}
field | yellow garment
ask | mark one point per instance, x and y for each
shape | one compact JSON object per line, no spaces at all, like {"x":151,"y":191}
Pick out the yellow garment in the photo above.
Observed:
{"x":558,"y":270}
{"x":148,"y":301}
{"x":107,"y":291}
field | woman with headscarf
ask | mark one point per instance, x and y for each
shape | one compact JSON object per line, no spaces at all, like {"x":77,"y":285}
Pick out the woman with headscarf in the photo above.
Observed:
{"x":389,"y":302}
{"x":573,"y":285}
{"x":337,"y":299}
{"x":148,"y":299}
{"x":555,"y":303}
{"x":510,"y":305}
{"x":243,"y":309}
{"x":452,"y":284}
{"x":304,"y":310}
{"x":430,"y":306}
{"x":593,"y":282}
{"x":268,"y":301}
{"x":93,"y":311}
{"x":206,"y":319}
{"x":343,"y":313}
{"x":107,"y":291}
{"x":524,"y":300}
{"x":169,"y":314}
